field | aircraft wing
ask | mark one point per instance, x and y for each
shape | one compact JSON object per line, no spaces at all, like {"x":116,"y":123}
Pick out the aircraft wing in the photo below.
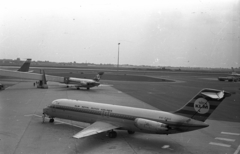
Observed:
{"x":95,"y":128}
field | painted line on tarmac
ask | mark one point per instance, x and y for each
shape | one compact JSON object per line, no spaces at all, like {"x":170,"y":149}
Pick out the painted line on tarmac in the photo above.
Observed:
{"x":238,"y":149}
{"x":225,"y":139}
{"x":214,"y":79}
{"x":229,"y":133}
{"x":105,"y":85}
{"x":220,"y":144}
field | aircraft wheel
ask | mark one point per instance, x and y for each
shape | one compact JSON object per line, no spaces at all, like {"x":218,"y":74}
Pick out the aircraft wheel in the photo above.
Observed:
{"x":78,"y":88}
{"x":88,"y":88}
{"x":67,"y":86}
{"x":112,"y":134}
{"x":51,"y":120}
{"x":130,"y":132}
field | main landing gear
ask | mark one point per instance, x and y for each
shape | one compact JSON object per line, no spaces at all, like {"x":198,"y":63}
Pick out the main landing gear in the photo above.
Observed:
{"x":130,"y":132}
{"x":112,"y":134}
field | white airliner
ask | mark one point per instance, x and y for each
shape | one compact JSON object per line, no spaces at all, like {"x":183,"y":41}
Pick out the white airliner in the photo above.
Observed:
{"x":80,"y":82}
{"x":107,"y":118}
{"x":234,"y":76}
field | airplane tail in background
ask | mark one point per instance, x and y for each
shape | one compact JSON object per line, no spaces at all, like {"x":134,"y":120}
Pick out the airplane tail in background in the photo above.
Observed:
{"x":25,"y":66}
{"x":98,"y":76}
{"x":233,"y":72}
{"x":203,"y":104}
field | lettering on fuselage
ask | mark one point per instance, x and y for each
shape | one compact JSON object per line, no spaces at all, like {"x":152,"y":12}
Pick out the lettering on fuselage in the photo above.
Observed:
{"x":85,"y":107}
{"x":165,"y":118}
{"x":93,"y":108}
{"x":106,"y":110}
{"x":201,"y":105}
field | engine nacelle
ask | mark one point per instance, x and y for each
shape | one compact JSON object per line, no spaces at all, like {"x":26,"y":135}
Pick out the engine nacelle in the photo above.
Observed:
{"x":150,"y":125}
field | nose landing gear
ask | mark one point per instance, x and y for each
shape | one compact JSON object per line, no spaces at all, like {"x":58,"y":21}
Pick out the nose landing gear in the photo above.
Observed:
{"x":43,"y":117}
{"x":51,"y":120}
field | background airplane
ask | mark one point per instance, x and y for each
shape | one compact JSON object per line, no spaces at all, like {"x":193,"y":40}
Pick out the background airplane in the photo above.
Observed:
{"x":107,"y":117}
{"x":234,"y":76}
{"x":69,"y":81}
{"x":80,"y":82}
{"x":24,"y":68}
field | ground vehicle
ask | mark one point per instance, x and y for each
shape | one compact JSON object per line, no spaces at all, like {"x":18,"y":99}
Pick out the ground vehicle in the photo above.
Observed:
{"x":229,"y":79}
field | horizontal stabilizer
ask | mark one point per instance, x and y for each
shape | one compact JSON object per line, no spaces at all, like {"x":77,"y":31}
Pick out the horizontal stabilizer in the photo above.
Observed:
{"x":214,"y":95}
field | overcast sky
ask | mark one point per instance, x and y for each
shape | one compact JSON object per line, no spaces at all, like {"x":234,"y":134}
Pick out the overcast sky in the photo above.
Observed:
{"x":202,"y":33}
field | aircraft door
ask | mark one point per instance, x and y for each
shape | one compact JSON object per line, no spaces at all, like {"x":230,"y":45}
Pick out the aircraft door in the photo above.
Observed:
{"x":105,"y":113}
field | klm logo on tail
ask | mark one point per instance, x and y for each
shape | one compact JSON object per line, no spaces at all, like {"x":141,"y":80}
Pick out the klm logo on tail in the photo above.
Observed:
{"x":201,"y":105}
{"x":98,"y":77}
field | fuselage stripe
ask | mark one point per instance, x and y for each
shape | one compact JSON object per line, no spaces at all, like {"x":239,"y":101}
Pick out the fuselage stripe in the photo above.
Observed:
{"x":103,"y":113}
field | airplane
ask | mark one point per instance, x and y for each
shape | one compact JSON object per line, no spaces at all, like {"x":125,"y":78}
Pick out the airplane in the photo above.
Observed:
{"x":80,"y":82}
{"x":107,"y":117}
{"x":43,"y":78}
{"x":234,"y":76}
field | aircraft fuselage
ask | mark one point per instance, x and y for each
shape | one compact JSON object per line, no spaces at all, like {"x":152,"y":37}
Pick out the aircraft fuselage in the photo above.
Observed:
{"x":129,"y":118}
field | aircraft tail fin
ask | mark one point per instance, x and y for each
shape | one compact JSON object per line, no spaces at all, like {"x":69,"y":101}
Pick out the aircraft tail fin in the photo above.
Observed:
{"x":98,"y":76}
{"x":201,"y":106}
{"x":233,"y":72}
{"x":25,"y":66}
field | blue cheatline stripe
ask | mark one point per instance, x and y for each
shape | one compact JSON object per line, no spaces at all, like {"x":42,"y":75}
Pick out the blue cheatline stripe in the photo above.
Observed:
{"x":107,"y":114}
{"x":188,"y":112}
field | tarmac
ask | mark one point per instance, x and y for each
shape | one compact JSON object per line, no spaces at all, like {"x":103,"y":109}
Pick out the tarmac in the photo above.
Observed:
{"x":22,"y":129}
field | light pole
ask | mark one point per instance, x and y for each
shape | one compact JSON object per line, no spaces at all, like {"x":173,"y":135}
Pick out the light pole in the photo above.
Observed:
{"x":118,"y":56}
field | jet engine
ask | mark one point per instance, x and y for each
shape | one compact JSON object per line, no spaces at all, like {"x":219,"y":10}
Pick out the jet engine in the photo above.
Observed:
{"x":150,"y":125}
